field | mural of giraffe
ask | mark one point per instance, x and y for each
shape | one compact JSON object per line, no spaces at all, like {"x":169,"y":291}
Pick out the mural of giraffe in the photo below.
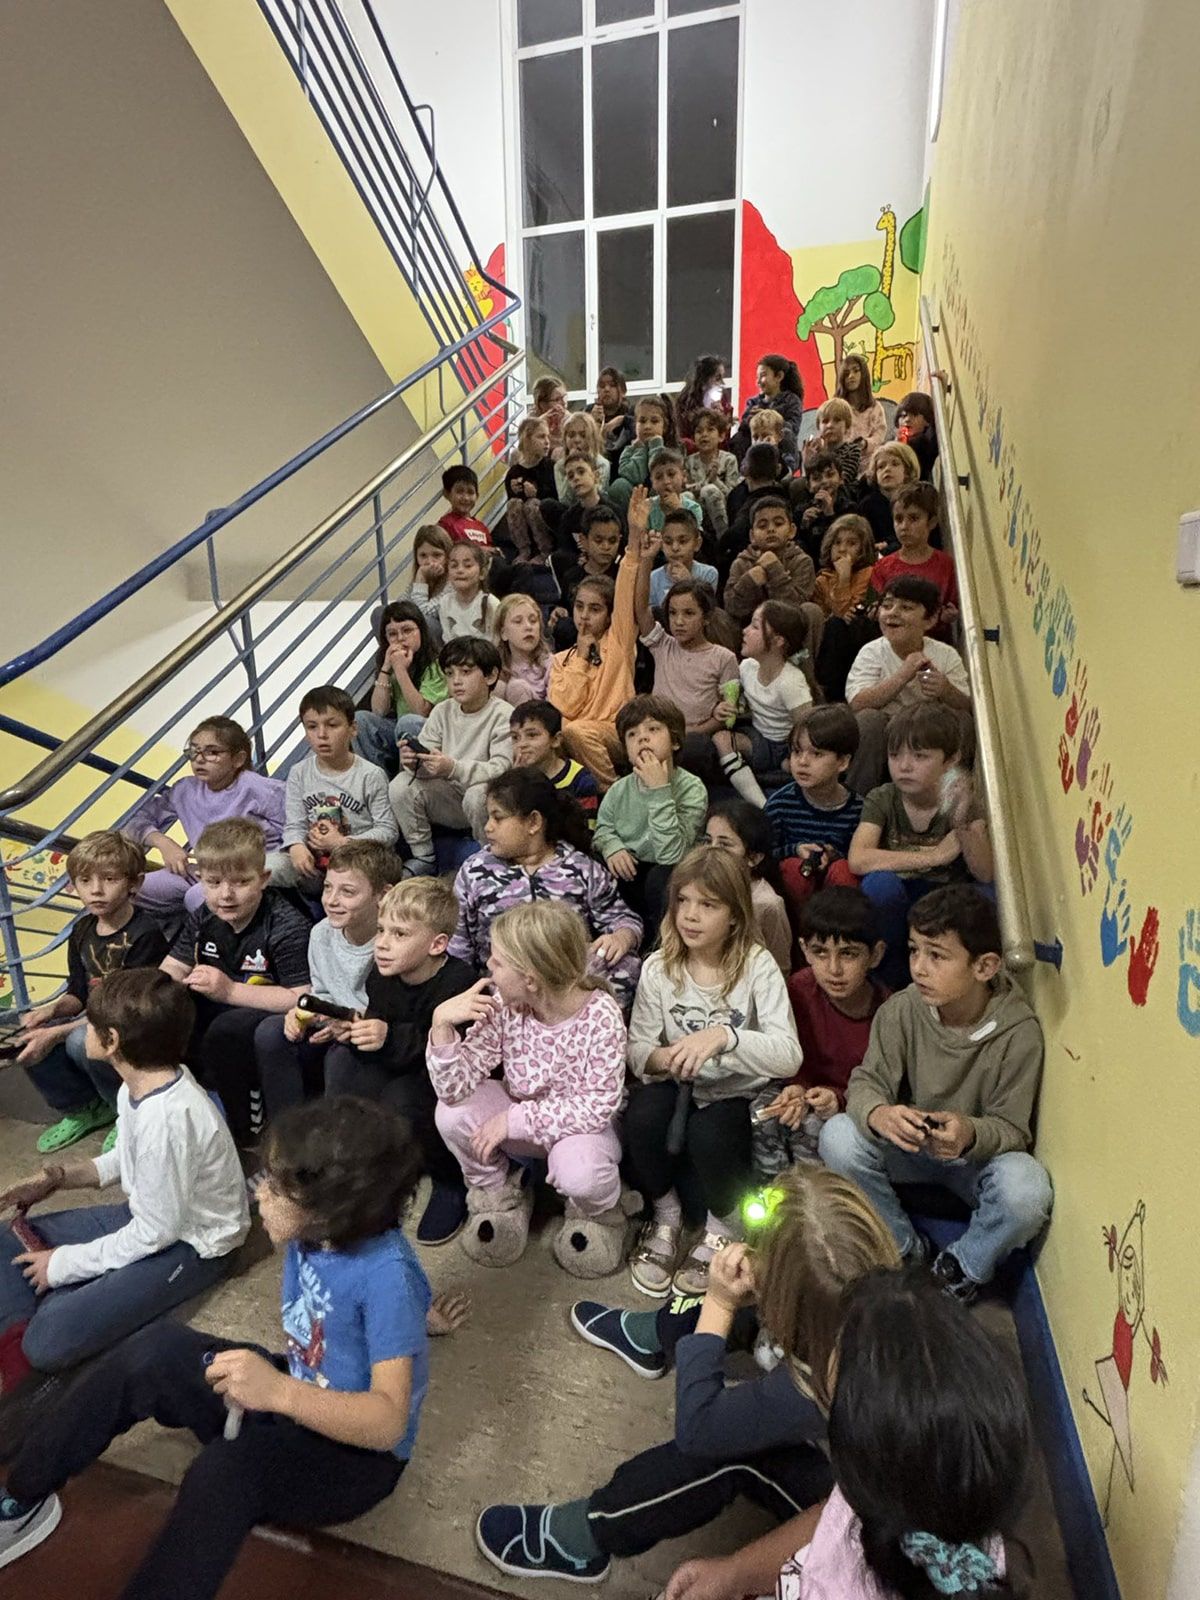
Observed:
{"x":900,"y":355}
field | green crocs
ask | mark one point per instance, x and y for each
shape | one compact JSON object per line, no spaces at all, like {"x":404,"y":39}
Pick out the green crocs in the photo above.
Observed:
{"x":110,"y":1140}
{"x":76,"y":1125}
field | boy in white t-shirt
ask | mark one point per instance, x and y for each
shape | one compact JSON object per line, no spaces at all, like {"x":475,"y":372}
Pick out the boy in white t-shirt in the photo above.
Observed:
{"x":901,"y":668}
{"x":186,"y":1211}
{"x":774,"y":691}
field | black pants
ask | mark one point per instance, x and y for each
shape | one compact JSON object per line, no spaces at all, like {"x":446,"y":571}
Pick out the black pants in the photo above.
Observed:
{"x":716,"y":1147}
{"x":274,"y":1471}
{"x":663,"y":1493}
{"x":289,"y":1073}
{"x":647,"y":895}
{"x":411,"y":1095}
{"x":222,"y":1056}
{"x":679,"y":1316}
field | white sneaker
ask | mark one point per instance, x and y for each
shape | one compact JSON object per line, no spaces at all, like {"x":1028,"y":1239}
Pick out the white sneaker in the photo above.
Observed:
{"x":23,"y":1527}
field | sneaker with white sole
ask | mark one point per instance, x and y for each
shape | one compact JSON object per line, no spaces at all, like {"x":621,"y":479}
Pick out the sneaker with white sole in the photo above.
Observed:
{"x":518,"y":1540}
{"x":23,"y":1527}
{"x":604,"y":1326}
{"x":653,"y":1260}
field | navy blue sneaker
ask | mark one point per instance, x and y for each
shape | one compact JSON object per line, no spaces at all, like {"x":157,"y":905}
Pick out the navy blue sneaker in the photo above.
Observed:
{"x":444,"y":1214}
{"x":23,"y":1527}
{"x":606,"y":1326}
{"x":518,"y":1540}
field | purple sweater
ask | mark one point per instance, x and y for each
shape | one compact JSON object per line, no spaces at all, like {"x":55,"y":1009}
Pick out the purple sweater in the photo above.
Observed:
{"x":194,"y":805}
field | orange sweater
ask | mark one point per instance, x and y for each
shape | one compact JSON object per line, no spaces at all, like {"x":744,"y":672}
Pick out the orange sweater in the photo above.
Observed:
{"x":837,"y":601}
{"x":596,"y":693}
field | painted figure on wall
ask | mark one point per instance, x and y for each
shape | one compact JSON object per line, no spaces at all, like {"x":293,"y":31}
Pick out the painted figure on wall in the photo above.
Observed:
{"x":1126,"y":1257}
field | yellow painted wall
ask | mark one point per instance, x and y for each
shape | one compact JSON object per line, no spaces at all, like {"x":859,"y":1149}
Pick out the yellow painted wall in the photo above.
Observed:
{"x":1063,"y":237}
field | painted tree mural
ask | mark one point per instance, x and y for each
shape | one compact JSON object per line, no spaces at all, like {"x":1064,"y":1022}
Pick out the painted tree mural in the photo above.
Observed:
{"x":836,"y":310}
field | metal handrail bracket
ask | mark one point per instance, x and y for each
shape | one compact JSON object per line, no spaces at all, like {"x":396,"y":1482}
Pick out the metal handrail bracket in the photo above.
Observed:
{"x":1020,"y":951}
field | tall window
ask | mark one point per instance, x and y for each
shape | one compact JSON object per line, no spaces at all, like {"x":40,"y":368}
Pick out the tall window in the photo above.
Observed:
{"x":626,"y":195}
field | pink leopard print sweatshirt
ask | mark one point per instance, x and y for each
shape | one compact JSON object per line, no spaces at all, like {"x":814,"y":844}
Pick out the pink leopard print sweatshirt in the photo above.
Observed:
{"x":568,"y":1077}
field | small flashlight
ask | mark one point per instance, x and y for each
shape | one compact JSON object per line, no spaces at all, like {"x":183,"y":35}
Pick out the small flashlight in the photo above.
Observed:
{"x":758,"y":1208}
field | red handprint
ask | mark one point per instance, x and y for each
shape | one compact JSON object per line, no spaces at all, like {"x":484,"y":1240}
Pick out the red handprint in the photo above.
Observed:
{"x":1078,"y":699}
{"x":1143,"y":958}
{"x":1066,"y":766}
{"x":1158,"y":1367}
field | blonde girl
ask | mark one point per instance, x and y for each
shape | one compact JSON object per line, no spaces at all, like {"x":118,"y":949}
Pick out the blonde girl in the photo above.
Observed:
{"x":465,"y":606}
{"x":813,"y":1236}
{"x":524,"y":652}
{"x":711,"y":1027}
{"x":431,"y":556}
{"x":580,"y":434}
{"x":892,"y":466}
{"x":528,"y":481}
{"x":557,"y":1034}
{"x":868,"y":420}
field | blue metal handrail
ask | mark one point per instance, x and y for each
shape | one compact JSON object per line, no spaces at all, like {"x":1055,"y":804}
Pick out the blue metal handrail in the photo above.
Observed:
{"x":49,"y":647}
{"x":47,"y":741}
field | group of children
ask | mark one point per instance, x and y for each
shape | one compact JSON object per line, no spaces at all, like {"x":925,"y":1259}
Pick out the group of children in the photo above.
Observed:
{"x":681,"y":993}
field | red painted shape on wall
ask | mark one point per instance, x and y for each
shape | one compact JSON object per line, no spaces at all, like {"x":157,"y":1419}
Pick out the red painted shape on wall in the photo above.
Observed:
{"x":487,"y":355}
{"x":770,"y":311}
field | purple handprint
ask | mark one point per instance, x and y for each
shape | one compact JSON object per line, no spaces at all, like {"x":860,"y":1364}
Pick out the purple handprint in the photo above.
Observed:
{"x":1087,"y":853}
{"x":1088,"y":740}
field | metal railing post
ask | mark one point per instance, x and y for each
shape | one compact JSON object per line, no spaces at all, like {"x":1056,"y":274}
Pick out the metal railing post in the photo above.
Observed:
{"x":12,"y":950}
{"x":380,"y":550}
{"x":256,"y":716}
{"x":302,"y":49}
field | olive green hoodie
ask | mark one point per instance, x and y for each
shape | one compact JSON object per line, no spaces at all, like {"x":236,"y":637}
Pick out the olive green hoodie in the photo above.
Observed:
{"x":990,"y":1072}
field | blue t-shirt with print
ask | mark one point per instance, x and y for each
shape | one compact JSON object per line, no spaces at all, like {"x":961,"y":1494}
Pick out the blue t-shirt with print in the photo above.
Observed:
{"x":346,"y":1310}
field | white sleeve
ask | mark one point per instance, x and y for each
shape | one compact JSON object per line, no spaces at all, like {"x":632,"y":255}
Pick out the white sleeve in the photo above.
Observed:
{"x":864,"y":672}
{"x":766,"y":1047}
{"x":955,"y":669}
{"x":646,"y":1020}
{"x":158,"y":1200}
{"x":108,"y":1166}
{"x":295,"y":827}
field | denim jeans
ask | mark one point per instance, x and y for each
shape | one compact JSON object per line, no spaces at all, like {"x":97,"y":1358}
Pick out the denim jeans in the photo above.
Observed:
{"x":375,"y":737}
{"x":67,"y":1080}
{"x":1010,"y":1196}
{"x":66,"y":1325}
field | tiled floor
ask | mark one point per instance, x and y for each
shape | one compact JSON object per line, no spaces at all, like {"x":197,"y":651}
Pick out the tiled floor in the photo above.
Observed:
{"x":518,"y":1409}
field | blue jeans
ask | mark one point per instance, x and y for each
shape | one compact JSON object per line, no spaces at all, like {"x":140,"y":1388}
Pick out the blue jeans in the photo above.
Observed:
{"x":892,"y":896}
{"x":67,"y":1325}
{"x":67,"y":1080}
{"x":1010,"y":1195}
{"x":375,"y":737}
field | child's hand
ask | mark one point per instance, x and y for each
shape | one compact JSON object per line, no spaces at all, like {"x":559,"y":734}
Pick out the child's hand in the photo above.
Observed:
{"x":212,"y":983}
{"x":621,"y":864}
{"x":651,"y":769}
{"x":811,"y":852}
{"x":638,"y":516}
{"x":35,"y":1264}
{"x":610,"y":948}
{"x":36,"y":1045}
{"x":598,"y":415}
{"x":950,"y":1136}
{"x":945,"y":851}
{"x":446,"y":1314}
{"x":933,"y":682}
{"x":247,"y":1379}
{"x":434,"y":764}
{"x":367,"y":1033}
{"x":684,"y":1058}
{"x":294,"y":1028}
{"x":461,"y":1010}
{"x":821,"y":1100}
{"x":530,"y":490}
{"x":557,"y":615}
{"x":302,"y":859}
{"x":398,"y":658}
{"x":731,"y":1277}
{"x":903,"y":1126}
{"x":489,"y":1136}
{"x":40,"y":1016}
{"x":174,"y":857}
{"x":787,"y":1107}
{"x":410,"y":759}
{"x":329,"y":835}
{"x":843,"y":566}
{"x":32,"y":1190}
{"x":961,"y":803}
{"x":707,"y":1578}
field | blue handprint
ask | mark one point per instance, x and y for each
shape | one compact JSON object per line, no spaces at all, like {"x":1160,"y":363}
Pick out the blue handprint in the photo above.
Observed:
{"x":1041,"y":596}
{"x":1060,"y":636}
{"x":1114,"y":923}
{"x":996,"y":440}
{"x":1187,"y":1004}
{"x":1116,"y":840}
{"x":1058,"y":682}
{"x":1014,"y":514}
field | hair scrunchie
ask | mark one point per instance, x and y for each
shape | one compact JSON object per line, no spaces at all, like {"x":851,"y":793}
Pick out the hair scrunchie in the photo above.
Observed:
{"x":951,"y":1568}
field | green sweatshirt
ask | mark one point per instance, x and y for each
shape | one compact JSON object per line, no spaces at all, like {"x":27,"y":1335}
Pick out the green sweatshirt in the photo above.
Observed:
{"x":658,"y":825}
{"x":990,"y":1073}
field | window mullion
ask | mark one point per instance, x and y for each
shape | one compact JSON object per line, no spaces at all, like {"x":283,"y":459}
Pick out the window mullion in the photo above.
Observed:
{"x":590,"y":286}
{"x":660,"y":237}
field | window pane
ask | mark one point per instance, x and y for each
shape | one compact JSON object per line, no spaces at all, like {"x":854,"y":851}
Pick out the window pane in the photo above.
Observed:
{"x":685,"y":8}
{"x":625,"y":126}
{"x":702,"y":88}
{"x":554,"y":304}
{"x":552,"y":138}
{"x":699,"y":289}
{"x":609,"y":11}
{"x":540,"y":21}
{"x":625,"y":274}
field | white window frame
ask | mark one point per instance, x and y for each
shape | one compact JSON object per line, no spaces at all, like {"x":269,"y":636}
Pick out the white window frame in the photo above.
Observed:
{"x":591,"y":226}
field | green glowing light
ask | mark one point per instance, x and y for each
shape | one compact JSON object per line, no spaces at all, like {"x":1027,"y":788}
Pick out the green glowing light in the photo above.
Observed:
{"x":760,"y":1207}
